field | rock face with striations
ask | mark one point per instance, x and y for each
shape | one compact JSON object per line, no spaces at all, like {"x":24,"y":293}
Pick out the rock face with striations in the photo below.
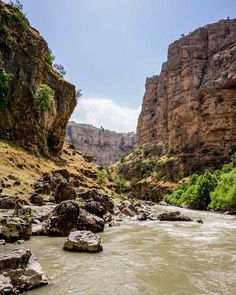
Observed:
{"x":190,"y":108}
{"x":25,"y":65}
{"x":104,"y":145}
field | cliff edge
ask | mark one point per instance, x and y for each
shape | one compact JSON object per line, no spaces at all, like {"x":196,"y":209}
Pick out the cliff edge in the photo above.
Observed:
{"x":35,"y":101}
{"x":190,"y":108}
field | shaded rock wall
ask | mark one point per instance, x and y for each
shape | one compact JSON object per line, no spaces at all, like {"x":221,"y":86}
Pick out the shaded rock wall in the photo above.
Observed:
{"x":24,"y":53}
{"x":104,"y":145}
{"x":190,"y":108}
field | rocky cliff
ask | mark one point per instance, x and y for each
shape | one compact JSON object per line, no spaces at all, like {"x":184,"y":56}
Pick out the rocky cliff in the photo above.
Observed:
{"x":190,"y":108}
{"x":35,"y":101}
{"x":104,"y":145}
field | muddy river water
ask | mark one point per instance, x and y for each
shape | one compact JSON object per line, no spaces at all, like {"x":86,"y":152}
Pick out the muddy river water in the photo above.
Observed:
{"x":146,"y":258}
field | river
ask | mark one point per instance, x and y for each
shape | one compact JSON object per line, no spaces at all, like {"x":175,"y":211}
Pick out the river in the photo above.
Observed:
{"x":146,"y":258}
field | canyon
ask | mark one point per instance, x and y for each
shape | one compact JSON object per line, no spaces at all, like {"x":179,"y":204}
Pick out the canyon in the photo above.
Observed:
{"x":53,"y":194}
{"x":105,"y":146}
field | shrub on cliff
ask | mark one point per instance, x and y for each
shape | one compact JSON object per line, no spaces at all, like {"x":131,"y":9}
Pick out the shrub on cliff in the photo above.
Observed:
{"x":102,"y":177}
{"x":121,"y":183}
{"x":43,"y":97}
{"x":60,"y":69}
{"x":5,"y":80}
{"x":17,"y":4}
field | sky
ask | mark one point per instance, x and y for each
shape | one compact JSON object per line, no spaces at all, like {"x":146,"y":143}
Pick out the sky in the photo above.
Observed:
{"x":109,"y":47}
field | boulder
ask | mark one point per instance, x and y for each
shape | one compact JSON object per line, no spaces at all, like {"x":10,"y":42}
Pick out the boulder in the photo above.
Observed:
{"x":20,"y":272}
{"x":128,"y":208}
{"x":36,"y":199}
{"x":14,"y":228}
{"x":8,"y":201}
{"x":142,"y":216}
{"x":88,"y":221}
{"x":95,"y":208}
{"x":64,"y":173}
{"x":2,"y":242}
{"x":42,"y":188}
{"x":83,"y":241}
{"x":64,"y":191}
{"x":62,"y":219}
{"x":6,"y":287}
{"x":173,"y":216}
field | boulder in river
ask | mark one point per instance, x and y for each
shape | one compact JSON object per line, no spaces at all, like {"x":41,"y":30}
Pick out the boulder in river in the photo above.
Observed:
{"x":20,"y":272}
{"x":173,"y":216}
{"x":99,"y":196}
{"x":62,"y":219}
{"x":14,"y":228}
{"x":91,"y":222}
{"x":83,"y":241}
{"x":95,"y":208}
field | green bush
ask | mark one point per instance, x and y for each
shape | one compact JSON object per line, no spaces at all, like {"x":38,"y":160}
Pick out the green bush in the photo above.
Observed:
{"x":50,"y":57}
{"x":5,"y":85}
{"x":44,"y":97}
{"x":137,"y":151}
{"x":208,"y":190}
{"x":224,"y":196}
{"x":102,"y":176}
{"x":146,"y":168}
{"x":195,"y":194}
{"x":121,"y":182}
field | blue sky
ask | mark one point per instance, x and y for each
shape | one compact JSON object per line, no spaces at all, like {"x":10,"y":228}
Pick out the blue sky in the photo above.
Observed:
{"x":109,"y":47}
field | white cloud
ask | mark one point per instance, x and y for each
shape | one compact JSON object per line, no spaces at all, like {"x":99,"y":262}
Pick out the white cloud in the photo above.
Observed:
{"x":105,"y":112}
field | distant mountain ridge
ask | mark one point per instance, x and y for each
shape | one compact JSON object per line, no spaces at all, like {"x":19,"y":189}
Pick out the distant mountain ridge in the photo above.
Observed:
{"x":104,"y":145}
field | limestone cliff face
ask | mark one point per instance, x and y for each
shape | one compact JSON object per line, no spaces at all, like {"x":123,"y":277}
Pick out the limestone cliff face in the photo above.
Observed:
{"x":104,"y":145}
{"x":25,"y":55}
{"x":190,"y":108}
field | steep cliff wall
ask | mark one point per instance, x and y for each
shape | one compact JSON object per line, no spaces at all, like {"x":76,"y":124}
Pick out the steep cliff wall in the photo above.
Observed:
{"x":104,"y":145}
{"x":190,"y":108}
{"x":24,"y":67}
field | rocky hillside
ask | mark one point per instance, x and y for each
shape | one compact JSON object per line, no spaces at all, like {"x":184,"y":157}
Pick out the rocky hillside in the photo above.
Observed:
{"x":35,"y":101}
{"x":104,"y":145}
{"x":189,"y":110}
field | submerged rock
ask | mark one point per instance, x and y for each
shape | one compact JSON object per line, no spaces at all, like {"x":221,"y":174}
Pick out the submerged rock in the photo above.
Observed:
{"x":173,"y":216}
{"x":83,"y":241}
{"x":20,"y":272}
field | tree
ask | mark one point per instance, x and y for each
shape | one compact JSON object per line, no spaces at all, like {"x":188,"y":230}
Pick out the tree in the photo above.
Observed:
{"x":17,"y":4}
{"x":78,"y":94}
{"x":60,"y":69}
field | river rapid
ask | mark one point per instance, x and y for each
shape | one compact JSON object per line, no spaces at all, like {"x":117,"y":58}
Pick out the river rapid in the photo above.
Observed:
{"x":146,"y":258}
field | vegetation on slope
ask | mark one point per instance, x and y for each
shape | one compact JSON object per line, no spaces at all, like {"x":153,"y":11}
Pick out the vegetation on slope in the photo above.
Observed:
{"x":208,"y":190}
{"x":19,"y":169}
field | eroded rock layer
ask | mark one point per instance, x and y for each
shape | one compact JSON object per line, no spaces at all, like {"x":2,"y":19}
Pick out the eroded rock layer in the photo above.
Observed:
{"x":104,"y":145}
{"x":25,"y":64}
{"x":190,"y":108}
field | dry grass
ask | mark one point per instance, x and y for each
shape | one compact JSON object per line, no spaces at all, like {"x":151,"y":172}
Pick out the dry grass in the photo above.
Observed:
{"x":25,"y":167}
